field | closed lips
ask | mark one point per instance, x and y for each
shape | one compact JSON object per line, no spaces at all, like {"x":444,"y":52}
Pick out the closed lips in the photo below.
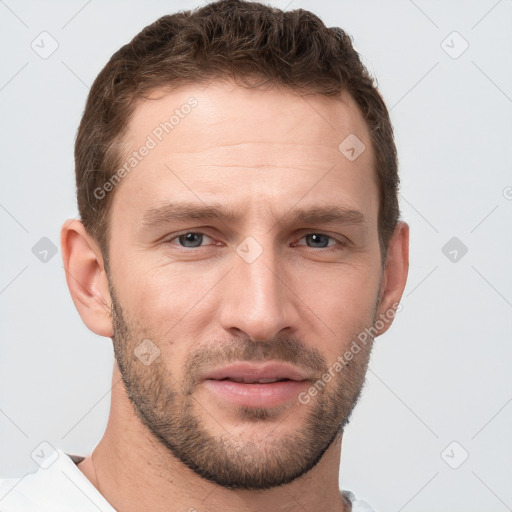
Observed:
{"x":248,"y":380}
{"x":248,"y":373}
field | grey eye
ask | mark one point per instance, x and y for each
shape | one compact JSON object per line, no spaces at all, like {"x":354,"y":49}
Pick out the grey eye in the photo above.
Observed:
{"x":191,"y":239}
{"x":317,"y":240}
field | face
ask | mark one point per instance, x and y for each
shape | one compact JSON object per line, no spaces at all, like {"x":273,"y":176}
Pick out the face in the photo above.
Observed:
{"x":244,"y":260}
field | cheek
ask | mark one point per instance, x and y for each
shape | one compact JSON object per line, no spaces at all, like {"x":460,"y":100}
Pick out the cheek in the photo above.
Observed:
{"x":162,"y":305}
{"x":343,"y":303}
{"x":166,"y":300}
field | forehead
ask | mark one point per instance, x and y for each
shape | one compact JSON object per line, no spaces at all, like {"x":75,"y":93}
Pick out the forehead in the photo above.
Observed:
{"x":219,"y":141}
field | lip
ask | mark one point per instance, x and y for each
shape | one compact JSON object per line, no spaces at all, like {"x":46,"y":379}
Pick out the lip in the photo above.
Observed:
{"x":251,"y":372}
{"x":250,"y":393}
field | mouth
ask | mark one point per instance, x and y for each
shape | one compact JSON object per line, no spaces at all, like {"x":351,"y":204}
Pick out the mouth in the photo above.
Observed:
{"x":249,"y":380}
{"x":256,"y":385}
{"x":262,"y":373}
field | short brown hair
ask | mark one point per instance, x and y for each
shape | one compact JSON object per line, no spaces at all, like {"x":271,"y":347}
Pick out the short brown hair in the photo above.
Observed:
{"x":226,"y":39}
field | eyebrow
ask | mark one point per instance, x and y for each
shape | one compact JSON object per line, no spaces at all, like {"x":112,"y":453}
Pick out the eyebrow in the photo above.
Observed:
{"x":198,"y":211}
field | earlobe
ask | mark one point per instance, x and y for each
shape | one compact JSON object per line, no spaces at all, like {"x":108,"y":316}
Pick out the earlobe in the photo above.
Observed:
{"x":86,"y":277}
{"x":395,"y":276}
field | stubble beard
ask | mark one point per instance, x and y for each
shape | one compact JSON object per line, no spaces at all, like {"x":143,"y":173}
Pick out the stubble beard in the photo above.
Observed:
{"x":169,"y":409}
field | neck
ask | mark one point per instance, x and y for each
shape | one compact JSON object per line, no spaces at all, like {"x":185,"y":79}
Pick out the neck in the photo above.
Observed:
{"x":133,"y":472}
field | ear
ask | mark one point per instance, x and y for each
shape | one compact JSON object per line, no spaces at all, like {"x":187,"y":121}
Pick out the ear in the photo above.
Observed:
{"x":395,"y":277}
{"x":86,"y":277}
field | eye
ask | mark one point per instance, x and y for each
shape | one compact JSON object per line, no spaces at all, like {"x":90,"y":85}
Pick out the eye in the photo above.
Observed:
{"x":319,"y":240}
{"x":190,"y":239}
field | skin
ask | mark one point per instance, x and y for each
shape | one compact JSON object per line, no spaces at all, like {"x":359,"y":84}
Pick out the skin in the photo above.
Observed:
{"x":265,"y":152}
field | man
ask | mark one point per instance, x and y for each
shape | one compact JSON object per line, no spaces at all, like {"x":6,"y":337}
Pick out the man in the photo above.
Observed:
{"x":239,"y":241}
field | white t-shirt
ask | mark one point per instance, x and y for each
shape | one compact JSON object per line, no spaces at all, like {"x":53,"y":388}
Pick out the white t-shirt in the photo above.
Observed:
{"x":59,"y":486}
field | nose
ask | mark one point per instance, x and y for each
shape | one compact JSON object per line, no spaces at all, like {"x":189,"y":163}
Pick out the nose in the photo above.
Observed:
{"x":258,"y":298}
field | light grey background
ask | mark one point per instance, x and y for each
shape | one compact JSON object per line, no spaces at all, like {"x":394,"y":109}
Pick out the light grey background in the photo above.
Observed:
{"x":441,"y":374}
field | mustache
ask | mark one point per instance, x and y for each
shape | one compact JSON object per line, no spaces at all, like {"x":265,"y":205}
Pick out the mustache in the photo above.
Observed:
{"x":283,"y":349}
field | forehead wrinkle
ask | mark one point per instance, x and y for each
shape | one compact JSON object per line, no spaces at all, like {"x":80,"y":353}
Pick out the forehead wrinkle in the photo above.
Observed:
{"x":304,"y":157}
{"x":225,"y":147}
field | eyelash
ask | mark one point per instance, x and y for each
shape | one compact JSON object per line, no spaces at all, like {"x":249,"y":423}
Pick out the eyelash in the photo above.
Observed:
{"x":338,"y":242}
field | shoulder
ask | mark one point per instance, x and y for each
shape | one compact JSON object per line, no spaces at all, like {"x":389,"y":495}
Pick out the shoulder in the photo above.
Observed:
{"x":20,"y":493}
{"x":358,"y":505}
{"x":57,"y":486}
